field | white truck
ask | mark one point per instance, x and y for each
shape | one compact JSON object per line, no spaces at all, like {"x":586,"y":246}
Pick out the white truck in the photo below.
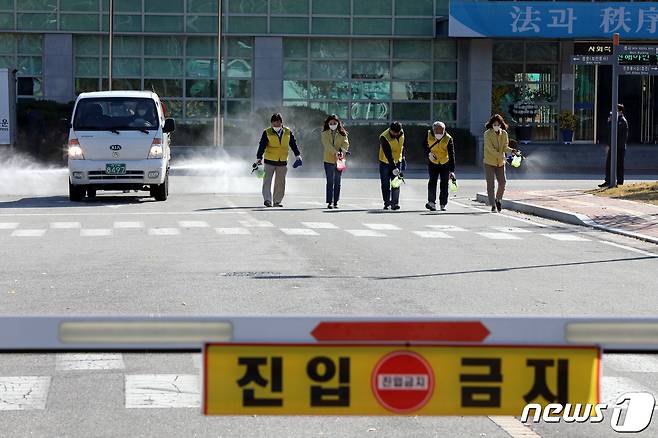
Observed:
{"x":119,"y":140}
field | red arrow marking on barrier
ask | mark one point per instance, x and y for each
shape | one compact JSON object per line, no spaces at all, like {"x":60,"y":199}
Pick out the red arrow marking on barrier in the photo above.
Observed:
{"x":443,"y":331}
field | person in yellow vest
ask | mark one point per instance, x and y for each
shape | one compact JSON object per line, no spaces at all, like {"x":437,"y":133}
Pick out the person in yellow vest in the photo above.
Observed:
{"x":496,"y":143}
{"x":391,"y":150}
{"x":440,"y":151}
{"x":273,"y":146}
{"x":335,"y":142}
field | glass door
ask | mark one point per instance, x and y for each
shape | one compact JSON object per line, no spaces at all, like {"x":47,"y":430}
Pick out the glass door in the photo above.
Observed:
{"x":585,"y":102}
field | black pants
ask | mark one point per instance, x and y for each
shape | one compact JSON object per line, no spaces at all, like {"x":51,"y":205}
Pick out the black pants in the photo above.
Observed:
{"x":391,"y":196}
{"x":436,"y":171}
{"x":621,"y":154}
{"x":333,"y":183}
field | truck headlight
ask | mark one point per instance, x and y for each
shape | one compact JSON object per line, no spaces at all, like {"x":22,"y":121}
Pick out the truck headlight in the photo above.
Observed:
{"x":75,"y":153}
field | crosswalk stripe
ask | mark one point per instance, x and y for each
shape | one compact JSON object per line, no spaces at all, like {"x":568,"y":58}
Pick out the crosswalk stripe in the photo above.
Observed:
{"x":382,"y":227}
{"x":163,"y":231}
{"x":299,"y":232}
{"x":514,"y":427}
{"x":632,"y":363}
{"x":24,"y":393}
{"x":101,"y":232}
{"x":193,"y":224}
{"x":28,"y":233}
{"x":500,"y":236}
{"x":94,"y":361}
{"x":566,"y":237}
{"x":433,"y":235}
{"x":450,"y":228}
{"x":8,"y":225}
{"x":320,"y":225}
{"x":511,"y":230}
{"x":232,"y":231}
{"x":256,"y":224}
{"x":128,"y":225}
{"x":65,"y":225}
{"x":366,"y":233}
{"x":162,"y":391}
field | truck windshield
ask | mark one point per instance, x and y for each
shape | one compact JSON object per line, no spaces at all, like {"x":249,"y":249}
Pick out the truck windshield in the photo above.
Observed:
{"x":115,"y":113}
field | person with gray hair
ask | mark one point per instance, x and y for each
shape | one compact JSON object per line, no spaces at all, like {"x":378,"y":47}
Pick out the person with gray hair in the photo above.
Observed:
{"x":440,"y":150}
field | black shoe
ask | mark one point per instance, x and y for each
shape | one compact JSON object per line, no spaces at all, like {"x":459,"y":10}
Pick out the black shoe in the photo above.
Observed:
{"x":493,"y":209}
{"x":335,"y":205}
{"x":278,"y":205}
{"x":443,"y":208}
{"x":604,"y":184}
{"x":267,"y":203}
{"x":386,"y":206}
{"x":329,"y":206}
{"x":395,"y":207}
{"x":499,"y":206}
{"x":430,"y":206}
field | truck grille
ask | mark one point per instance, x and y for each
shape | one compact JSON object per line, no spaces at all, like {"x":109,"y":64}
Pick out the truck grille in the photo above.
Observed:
{"x":100,"y":175}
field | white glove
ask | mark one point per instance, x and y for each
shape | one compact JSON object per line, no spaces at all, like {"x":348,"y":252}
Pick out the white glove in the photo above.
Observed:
{"x":432,"y":156}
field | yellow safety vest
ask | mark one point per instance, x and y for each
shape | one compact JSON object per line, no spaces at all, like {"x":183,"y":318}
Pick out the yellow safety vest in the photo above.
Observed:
{"x":439,"y":147}
{"x":277,"y":149}
{"x":397,"y":147}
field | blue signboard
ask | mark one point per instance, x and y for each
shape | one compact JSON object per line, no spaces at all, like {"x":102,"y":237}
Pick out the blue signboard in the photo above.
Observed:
{"x":543,"y":19}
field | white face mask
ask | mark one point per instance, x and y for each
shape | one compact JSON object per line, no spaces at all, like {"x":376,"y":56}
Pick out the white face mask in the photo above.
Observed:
{"x":496,"y":128}
{"x":277,"y":129}
{"x":439,"y":136}
{"x":333,"y":127}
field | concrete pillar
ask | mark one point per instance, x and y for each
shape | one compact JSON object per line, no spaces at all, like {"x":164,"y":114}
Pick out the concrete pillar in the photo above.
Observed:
{"x":58,"y":78}
{"x":268,"y":72}
{"x":479,"y":74}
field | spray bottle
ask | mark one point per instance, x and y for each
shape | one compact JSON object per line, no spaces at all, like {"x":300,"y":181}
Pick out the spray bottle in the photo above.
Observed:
{"x":260,"y":173}
{"x":452,"y":185}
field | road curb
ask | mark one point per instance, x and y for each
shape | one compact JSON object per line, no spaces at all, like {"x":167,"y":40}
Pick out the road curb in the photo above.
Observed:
{"x":564,"y":216}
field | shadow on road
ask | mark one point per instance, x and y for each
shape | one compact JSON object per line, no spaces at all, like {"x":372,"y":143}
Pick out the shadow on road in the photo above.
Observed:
{"x":63,"y":201}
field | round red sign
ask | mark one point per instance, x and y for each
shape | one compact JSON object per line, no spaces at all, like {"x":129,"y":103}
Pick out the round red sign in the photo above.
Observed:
{"x":403,"y":381}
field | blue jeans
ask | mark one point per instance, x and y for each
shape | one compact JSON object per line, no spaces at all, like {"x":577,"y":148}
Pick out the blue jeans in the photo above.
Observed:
{"x":333,"y":183}
{"x":391,"y":196}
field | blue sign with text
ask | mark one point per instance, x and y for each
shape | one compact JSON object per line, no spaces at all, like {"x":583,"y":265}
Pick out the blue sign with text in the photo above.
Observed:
{"x":543,"y":19}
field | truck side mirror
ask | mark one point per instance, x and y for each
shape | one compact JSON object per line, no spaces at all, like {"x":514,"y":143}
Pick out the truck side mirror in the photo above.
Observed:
{"x":169,"y":126}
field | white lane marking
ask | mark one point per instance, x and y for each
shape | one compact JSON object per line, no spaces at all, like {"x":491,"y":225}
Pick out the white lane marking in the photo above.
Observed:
{"x":382,"y":227}
{"x":93,"y":361}
{"x":320,"y":225}
{"x":433,"y":235}
{"x":163,"y":231}
{"x":193,"y":224}
{"x":65,"y":225}
{"x":197,"y":360}
{"x":366,"y":233}
{"x":8,"y":225}
{"x":299,"y":232}
{"x":28,"y":233}
{"x":520,"y":219}
{"x":628,"y":248}
{"x":566,"y":237}
{"x":450,"y":228}
{"x":511,"y":230}
{"x":256,"y":224}
{"x":514,"y":427}
{"x":128,"y":225}
{"x":24,"y":393}
{"x":162,"y":391}
{"x":632,"y":363}
{"x":612,"y":387}
{"x":500,"y":236}
{"x":232,"y":231}
{"x":115,"y":214}
{"x":101,"y":232}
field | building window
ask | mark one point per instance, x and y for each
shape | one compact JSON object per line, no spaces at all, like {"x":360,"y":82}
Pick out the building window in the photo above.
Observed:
{"x":361,"y":81}
{"x":527,"y":71}
{"x":24,"y":53}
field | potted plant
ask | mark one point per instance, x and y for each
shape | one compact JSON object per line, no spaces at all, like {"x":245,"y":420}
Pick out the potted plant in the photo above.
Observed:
{"x":568,"y":123}
{"x":524,"y":110}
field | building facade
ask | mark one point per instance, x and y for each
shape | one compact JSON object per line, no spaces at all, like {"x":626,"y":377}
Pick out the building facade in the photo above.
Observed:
{"x":370,"y":61}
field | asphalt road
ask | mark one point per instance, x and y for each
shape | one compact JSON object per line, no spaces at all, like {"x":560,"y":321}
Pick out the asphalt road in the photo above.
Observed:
{"x":212,"y":249}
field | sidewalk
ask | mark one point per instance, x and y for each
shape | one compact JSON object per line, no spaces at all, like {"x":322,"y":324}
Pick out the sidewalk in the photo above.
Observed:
{"x":630,"y":218}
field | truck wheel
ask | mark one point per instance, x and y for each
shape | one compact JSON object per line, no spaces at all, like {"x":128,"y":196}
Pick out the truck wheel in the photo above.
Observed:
{"x":91,"y":193}
{"x":76,"y":193}
{"x":161,"y":191}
